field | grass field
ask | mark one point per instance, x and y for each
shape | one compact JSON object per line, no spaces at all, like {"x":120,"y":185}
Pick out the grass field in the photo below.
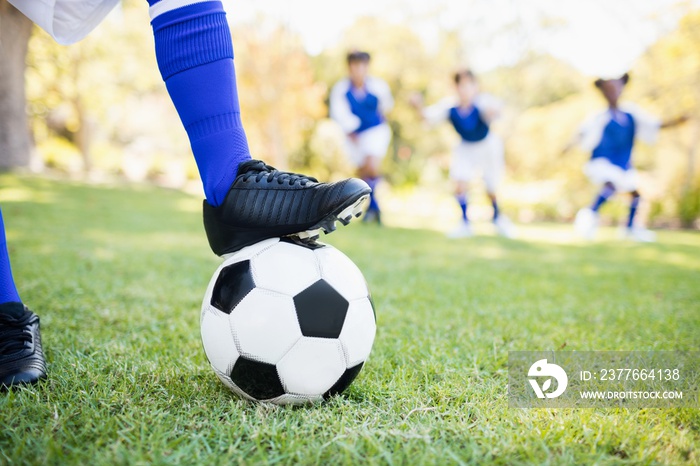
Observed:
{"x":117,"y":275}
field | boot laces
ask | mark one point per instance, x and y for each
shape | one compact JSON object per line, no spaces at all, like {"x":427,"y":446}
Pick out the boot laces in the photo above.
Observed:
{"x":15,"y":334}
{"x":260,"y":170}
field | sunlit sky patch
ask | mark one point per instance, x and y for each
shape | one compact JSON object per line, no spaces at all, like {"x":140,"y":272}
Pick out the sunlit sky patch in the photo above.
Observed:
{"x":598,"y":37}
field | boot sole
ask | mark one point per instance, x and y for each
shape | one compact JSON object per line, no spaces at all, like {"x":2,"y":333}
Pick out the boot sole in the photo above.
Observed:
{"x":328,"y":224}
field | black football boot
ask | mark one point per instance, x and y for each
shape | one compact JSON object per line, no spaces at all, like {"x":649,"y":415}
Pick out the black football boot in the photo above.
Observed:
{"x":21,"y":357}
{"x":266,"y":203}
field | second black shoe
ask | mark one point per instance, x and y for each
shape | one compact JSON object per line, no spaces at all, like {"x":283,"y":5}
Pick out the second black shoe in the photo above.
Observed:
{"x":265,"y":203}
{"x":21,"y":356}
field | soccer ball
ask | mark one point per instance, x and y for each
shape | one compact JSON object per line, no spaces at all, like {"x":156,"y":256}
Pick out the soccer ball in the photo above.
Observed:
{"x":287,"y":322}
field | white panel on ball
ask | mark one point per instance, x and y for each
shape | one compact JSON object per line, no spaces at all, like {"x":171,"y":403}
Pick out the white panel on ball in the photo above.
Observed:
{"x":312,"y":366}
{"x":358,"y":331}
{"x":218,"y":342}
{"x":265,"y":325}
{"x":285,"y":268}
{"x":341,"y":273}
{"x":249,"y":251}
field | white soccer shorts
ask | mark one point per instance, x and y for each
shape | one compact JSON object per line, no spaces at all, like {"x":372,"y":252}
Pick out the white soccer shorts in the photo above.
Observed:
{"x":601,"y":171}
{"x":485,"y":158}
{"x":373,"y":142}
{"x":67,"y":21}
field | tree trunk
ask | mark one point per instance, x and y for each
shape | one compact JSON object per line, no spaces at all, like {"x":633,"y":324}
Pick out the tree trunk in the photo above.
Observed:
{"x":83,"y":137}
{"x":15,"y":141}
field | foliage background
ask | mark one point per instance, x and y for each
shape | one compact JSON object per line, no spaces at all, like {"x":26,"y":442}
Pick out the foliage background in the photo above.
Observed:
{"x":99,"y":109}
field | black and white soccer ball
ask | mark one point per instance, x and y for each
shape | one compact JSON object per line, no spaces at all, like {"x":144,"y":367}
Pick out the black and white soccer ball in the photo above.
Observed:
{"x":285,"y":322}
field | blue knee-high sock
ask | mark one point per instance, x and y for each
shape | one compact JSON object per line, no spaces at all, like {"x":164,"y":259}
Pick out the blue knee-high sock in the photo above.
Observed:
{"x":8,"y":290}
{"x":496,"y":212}
{"x":604,"y":195}
{"x":373,"y":182}
{"x":633,"y":211}
{"x":195,"y":58}
{"x":462,"y":200}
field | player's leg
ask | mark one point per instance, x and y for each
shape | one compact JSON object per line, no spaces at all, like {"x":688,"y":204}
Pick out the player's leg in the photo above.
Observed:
{"x":371,"y":146}
{"x":600,"y":171}
{"x":246,"y":200}
{"x":490,"y":157}
{"x":370,"y":172}
{"x":637,"y":233}
{"x":21,"y":356}
{"x":503,"y":224}
{"x":8,"y":289}
{"x":634,"y":203}
{"x":606,"y":192}
{"x":494,"y":204}
{"x":464,"y":230}
{"x":491,"y":160}
{"x":461,"y":173}
{"x":195,"y":58}
{"x":586,"y":222}
{"x":461,"y":195}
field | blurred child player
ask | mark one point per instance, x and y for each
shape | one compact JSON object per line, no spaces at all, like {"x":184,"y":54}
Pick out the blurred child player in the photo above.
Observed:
{"x":479,"y":152}
{"x":358,"y":104}
{"x":610,"y":136}
{"x":246,"y":201}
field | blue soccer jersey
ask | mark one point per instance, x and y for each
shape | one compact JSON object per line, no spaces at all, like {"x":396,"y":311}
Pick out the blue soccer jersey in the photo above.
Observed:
{"x":357,"y":110}
{"x":469,"y":123}
{"x":611,"y":134}
{"x":617,"y":140}
{"x":365,"y":106}
{"x":472,"y":123}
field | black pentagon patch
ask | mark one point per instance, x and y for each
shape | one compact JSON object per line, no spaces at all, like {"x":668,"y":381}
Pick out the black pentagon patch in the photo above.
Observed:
{"x":321,"y":310}
{"x":257,"y":379}
{"x":343,"y":382}
{"x":232,"y":285}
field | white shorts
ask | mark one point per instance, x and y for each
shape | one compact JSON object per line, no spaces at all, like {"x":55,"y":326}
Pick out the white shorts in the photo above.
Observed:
{"x":373,"y":142}
{"x":485,"y":158}
{"x":67,"y":21}
{"x":601,"y":171}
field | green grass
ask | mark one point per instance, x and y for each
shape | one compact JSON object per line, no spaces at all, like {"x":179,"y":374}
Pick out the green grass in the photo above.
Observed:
{"x":117,"y":275}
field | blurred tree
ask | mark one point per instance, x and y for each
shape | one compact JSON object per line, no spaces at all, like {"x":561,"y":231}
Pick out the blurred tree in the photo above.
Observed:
{"x":103,"y":98}
{"x":15,"y":140}
{"x":97,"y":92}
{"x":667,"y":80}
{"x":280,"y":101}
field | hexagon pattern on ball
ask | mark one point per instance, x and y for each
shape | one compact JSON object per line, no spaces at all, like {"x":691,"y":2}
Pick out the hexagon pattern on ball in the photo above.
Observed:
{"x":233,"y":284}
{"x":285,"y":268}
{"x":312,"y":367}
{"x":258,"y":380}
{"x":344,"y":381}
{"x":219,"y":347}
{"x":265,"y":325}
{"x":342,"y":273}
{"x":321,"y":310}
{"x":261,"y":305}
{"x":358,"y":331}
